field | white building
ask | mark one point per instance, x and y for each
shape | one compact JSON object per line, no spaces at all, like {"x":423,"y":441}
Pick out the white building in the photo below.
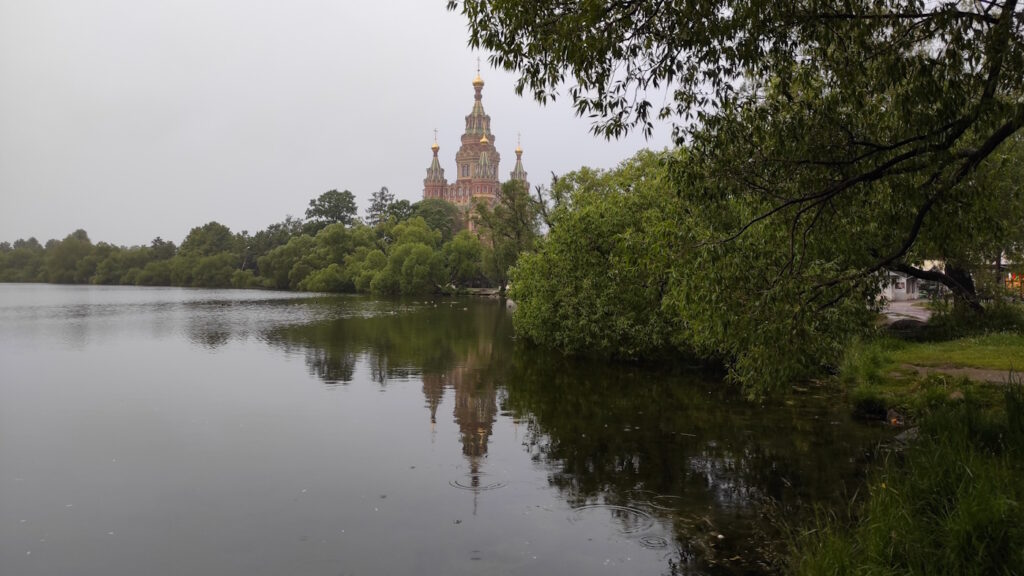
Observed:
{"x":897,"y":287}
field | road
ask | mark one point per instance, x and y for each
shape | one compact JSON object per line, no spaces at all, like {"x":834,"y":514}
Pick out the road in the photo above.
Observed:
{"x":907,"y":309}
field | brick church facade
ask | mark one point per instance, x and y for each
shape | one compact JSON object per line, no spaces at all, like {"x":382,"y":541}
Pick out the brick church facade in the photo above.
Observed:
{"x":476,"y":162}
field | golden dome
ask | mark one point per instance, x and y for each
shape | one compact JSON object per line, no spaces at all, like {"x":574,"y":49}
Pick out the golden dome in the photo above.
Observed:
{"x":478,"y":82}
{"x":484,"y":140}
{"x":434,"y":147}
{"x":519,"y":150}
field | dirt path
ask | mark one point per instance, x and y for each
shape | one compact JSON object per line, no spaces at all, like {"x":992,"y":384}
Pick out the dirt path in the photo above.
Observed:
{"x":979,"y":374}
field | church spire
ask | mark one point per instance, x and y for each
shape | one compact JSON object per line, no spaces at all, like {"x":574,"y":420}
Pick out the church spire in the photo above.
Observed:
{"x":478,"y":122}
{"x":484,"y":167}
{"x":435,"y":173}
{"x":519,"y":173}
{"x":478,"y":82}
{"x":434,"y":184}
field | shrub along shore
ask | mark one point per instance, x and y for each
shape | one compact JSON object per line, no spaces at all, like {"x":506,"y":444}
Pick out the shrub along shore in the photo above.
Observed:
{"x":946,"y":496}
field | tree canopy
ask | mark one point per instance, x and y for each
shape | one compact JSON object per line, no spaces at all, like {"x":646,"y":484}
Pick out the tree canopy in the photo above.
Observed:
{"x":333,"y":206}
{"x":820,"y":144}
{"x":380,"y":201}
{"x":510,"y":226}
{"x":838,"y":116}
{"x":412,"y":249}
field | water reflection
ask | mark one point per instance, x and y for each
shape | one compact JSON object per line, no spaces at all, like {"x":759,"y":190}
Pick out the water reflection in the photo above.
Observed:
{"x":676,"y":462}
{"x":686,"y":450}
{"x":78,"y":317}
{"x":449,"y":345}
{"x":171,"y":418}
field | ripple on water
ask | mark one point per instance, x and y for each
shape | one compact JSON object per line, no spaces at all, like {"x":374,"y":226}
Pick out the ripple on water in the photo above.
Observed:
{"x":628,"y":520}
{"x":475,"y":485}
{"x":653,"y":542}
{"x":666,"y":502}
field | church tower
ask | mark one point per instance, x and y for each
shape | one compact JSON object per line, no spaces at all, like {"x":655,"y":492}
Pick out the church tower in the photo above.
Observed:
{"x":435,"y":185}
{"x":477,"y":159}
{"x":519,"y":173}
{"x":476,"y":162}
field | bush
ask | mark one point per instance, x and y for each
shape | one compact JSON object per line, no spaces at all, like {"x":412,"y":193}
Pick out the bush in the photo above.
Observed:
{"x":330,"y":279}
{"x":865,"y":362}
{"x":597,"y":285}
{"x":951,"y":322}
{"x":950,"y":504}
{"x":245,"y":279}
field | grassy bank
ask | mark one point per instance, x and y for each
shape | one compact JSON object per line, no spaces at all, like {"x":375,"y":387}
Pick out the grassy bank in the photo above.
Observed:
{"x":891,"y":373}
{"x":948,"y":496}
{"x":949,"y":503}
{"x":1004,"y":351}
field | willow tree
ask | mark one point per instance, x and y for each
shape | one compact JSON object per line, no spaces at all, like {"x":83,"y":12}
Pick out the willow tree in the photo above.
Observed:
{"x":814,"y":110}
{"x":509,"y":227}
{"x":827,"y":141}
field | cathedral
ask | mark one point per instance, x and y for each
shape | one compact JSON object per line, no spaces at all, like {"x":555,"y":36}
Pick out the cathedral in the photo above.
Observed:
{"x":476,"y":162}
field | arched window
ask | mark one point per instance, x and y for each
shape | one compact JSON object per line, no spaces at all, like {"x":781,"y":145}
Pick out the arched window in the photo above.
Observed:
{"x":465,"y":170}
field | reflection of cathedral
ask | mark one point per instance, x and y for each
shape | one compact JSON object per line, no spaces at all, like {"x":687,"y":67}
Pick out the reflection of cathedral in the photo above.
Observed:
{"x":476,"y":162}
{"x":476,"y":408}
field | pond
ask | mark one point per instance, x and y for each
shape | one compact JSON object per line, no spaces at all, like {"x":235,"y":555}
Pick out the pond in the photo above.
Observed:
{"x":166,"y":431}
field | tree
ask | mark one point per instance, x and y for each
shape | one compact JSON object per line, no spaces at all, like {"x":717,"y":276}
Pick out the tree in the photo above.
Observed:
{"x":281,"y":265}
{"x":214,"y":271}
{"x":62,"y":259}
{"x":975,"y":240}
{"x":625,"y":272}
{"x":416,"y":230}
{"x":509,"y":228}
{"x":330,"y":279}
{"x":162,"y":249}
{"x":820,"y":145}
{"x":462,"y":258}
{"x":412,"y":268}
{"x":206,"y":240}
{"x":108,"y":263}
{"x":828,"y":116}
{"x":380,"y":202}
{"x":440,"y":215}
{"x":363,"y":266}
{"x":24,"y":262}
{"x":333,"y":206}
{"x":598,"y":283}
{"x":277,"y":234}
{"x":155,"y":273}
{"x":335,"y":242}
{"x":400,"y":211}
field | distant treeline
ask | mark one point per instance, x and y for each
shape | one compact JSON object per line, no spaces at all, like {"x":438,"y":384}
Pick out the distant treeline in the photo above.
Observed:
{"x":400,"y":248}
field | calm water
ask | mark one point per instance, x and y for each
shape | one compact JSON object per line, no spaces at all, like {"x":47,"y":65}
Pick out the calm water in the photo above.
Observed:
{"x":176,"y":431}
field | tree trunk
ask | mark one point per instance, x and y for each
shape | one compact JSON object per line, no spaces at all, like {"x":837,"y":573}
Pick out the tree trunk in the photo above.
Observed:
{"x":956,"y":278}
{"x":999,"y":269}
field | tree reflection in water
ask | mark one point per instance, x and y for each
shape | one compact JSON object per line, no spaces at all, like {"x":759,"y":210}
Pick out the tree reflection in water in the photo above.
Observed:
{"x":638,"y":445}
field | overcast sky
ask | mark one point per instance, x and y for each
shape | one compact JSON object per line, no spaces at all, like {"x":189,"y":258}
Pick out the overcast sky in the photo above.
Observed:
{"x":141,"y":118}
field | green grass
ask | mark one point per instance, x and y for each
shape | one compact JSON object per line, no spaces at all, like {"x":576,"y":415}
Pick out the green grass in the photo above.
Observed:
{"x":1003,"y":351}
{"x":876,"y":375}
{"x":951,"y":503}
